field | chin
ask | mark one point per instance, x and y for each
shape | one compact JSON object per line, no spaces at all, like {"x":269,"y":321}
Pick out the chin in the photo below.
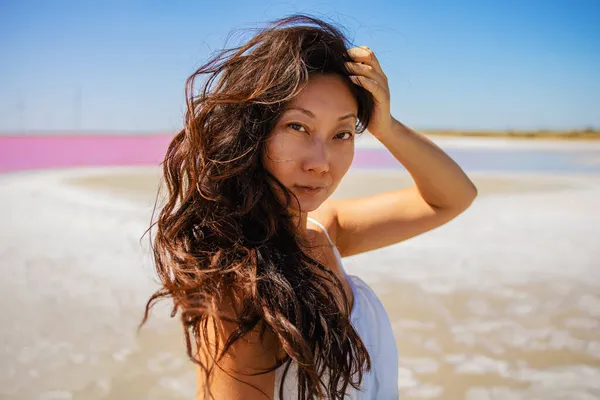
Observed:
{"x":310,"y":202}
{"x":311,"y":205}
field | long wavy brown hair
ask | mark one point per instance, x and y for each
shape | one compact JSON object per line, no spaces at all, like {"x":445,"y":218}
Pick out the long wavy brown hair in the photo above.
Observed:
{"x":224,"y":233}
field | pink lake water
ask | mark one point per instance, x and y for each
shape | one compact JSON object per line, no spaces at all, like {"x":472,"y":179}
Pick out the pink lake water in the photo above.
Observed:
{"x":19,"y":153}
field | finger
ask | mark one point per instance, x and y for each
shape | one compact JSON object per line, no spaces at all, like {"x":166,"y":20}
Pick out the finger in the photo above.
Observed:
{"x":365,"y":70}
{"x":365,"y":55}
{"x":370,"y":84}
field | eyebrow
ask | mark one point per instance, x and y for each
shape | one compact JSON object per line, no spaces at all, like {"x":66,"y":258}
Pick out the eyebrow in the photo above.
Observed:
{"x":310,"y":113}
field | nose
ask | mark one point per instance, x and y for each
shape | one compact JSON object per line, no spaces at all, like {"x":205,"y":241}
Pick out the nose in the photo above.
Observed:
{"x":317,"y":157}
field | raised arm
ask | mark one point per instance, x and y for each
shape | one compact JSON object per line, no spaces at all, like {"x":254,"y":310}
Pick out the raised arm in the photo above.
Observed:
{"x":441,"y":191}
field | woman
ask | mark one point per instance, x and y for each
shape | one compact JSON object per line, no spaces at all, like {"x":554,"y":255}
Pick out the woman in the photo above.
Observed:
{"x":248,"y":245}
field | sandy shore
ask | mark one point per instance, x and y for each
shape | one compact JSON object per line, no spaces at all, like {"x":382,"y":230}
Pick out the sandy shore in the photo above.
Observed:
{"x":503,"y":302}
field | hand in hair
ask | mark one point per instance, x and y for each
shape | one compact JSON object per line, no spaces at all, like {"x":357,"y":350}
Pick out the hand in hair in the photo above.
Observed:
{"x":367,"y":73}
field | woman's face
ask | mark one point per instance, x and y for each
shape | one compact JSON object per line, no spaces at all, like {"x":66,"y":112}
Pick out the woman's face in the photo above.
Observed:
{"x":312,"y":146}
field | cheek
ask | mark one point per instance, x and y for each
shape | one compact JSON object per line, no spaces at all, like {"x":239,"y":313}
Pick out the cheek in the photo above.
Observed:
{"x":341,"y":166}
{"x":346,"y":156}
{"x":278,"y":156}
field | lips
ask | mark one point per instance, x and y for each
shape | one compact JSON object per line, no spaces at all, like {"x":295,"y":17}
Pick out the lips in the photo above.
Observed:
{"x":310,"y":189}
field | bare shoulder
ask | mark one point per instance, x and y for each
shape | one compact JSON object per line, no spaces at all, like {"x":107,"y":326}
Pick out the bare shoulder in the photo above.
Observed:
{"x":231,"y":376}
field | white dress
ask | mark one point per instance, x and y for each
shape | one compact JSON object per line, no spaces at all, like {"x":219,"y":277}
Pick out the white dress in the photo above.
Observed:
{"x":370,"y":319}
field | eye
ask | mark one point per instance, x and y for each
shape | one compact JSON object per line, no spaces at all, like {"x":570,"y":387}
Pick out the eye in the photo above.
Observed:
{"x":348,"y":137}
{"x":294,"y":124}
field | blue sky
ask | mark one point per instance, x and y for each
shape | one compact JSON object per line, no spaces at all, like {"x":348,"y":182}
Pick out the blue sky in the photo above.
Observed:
{"x":121,"y":65}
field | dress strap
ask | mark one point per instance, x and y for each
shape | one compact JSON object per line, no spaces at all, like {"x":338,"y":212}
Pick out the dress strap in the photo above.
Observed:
{"x":335,"y":249}
{"x":320,"y":225}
